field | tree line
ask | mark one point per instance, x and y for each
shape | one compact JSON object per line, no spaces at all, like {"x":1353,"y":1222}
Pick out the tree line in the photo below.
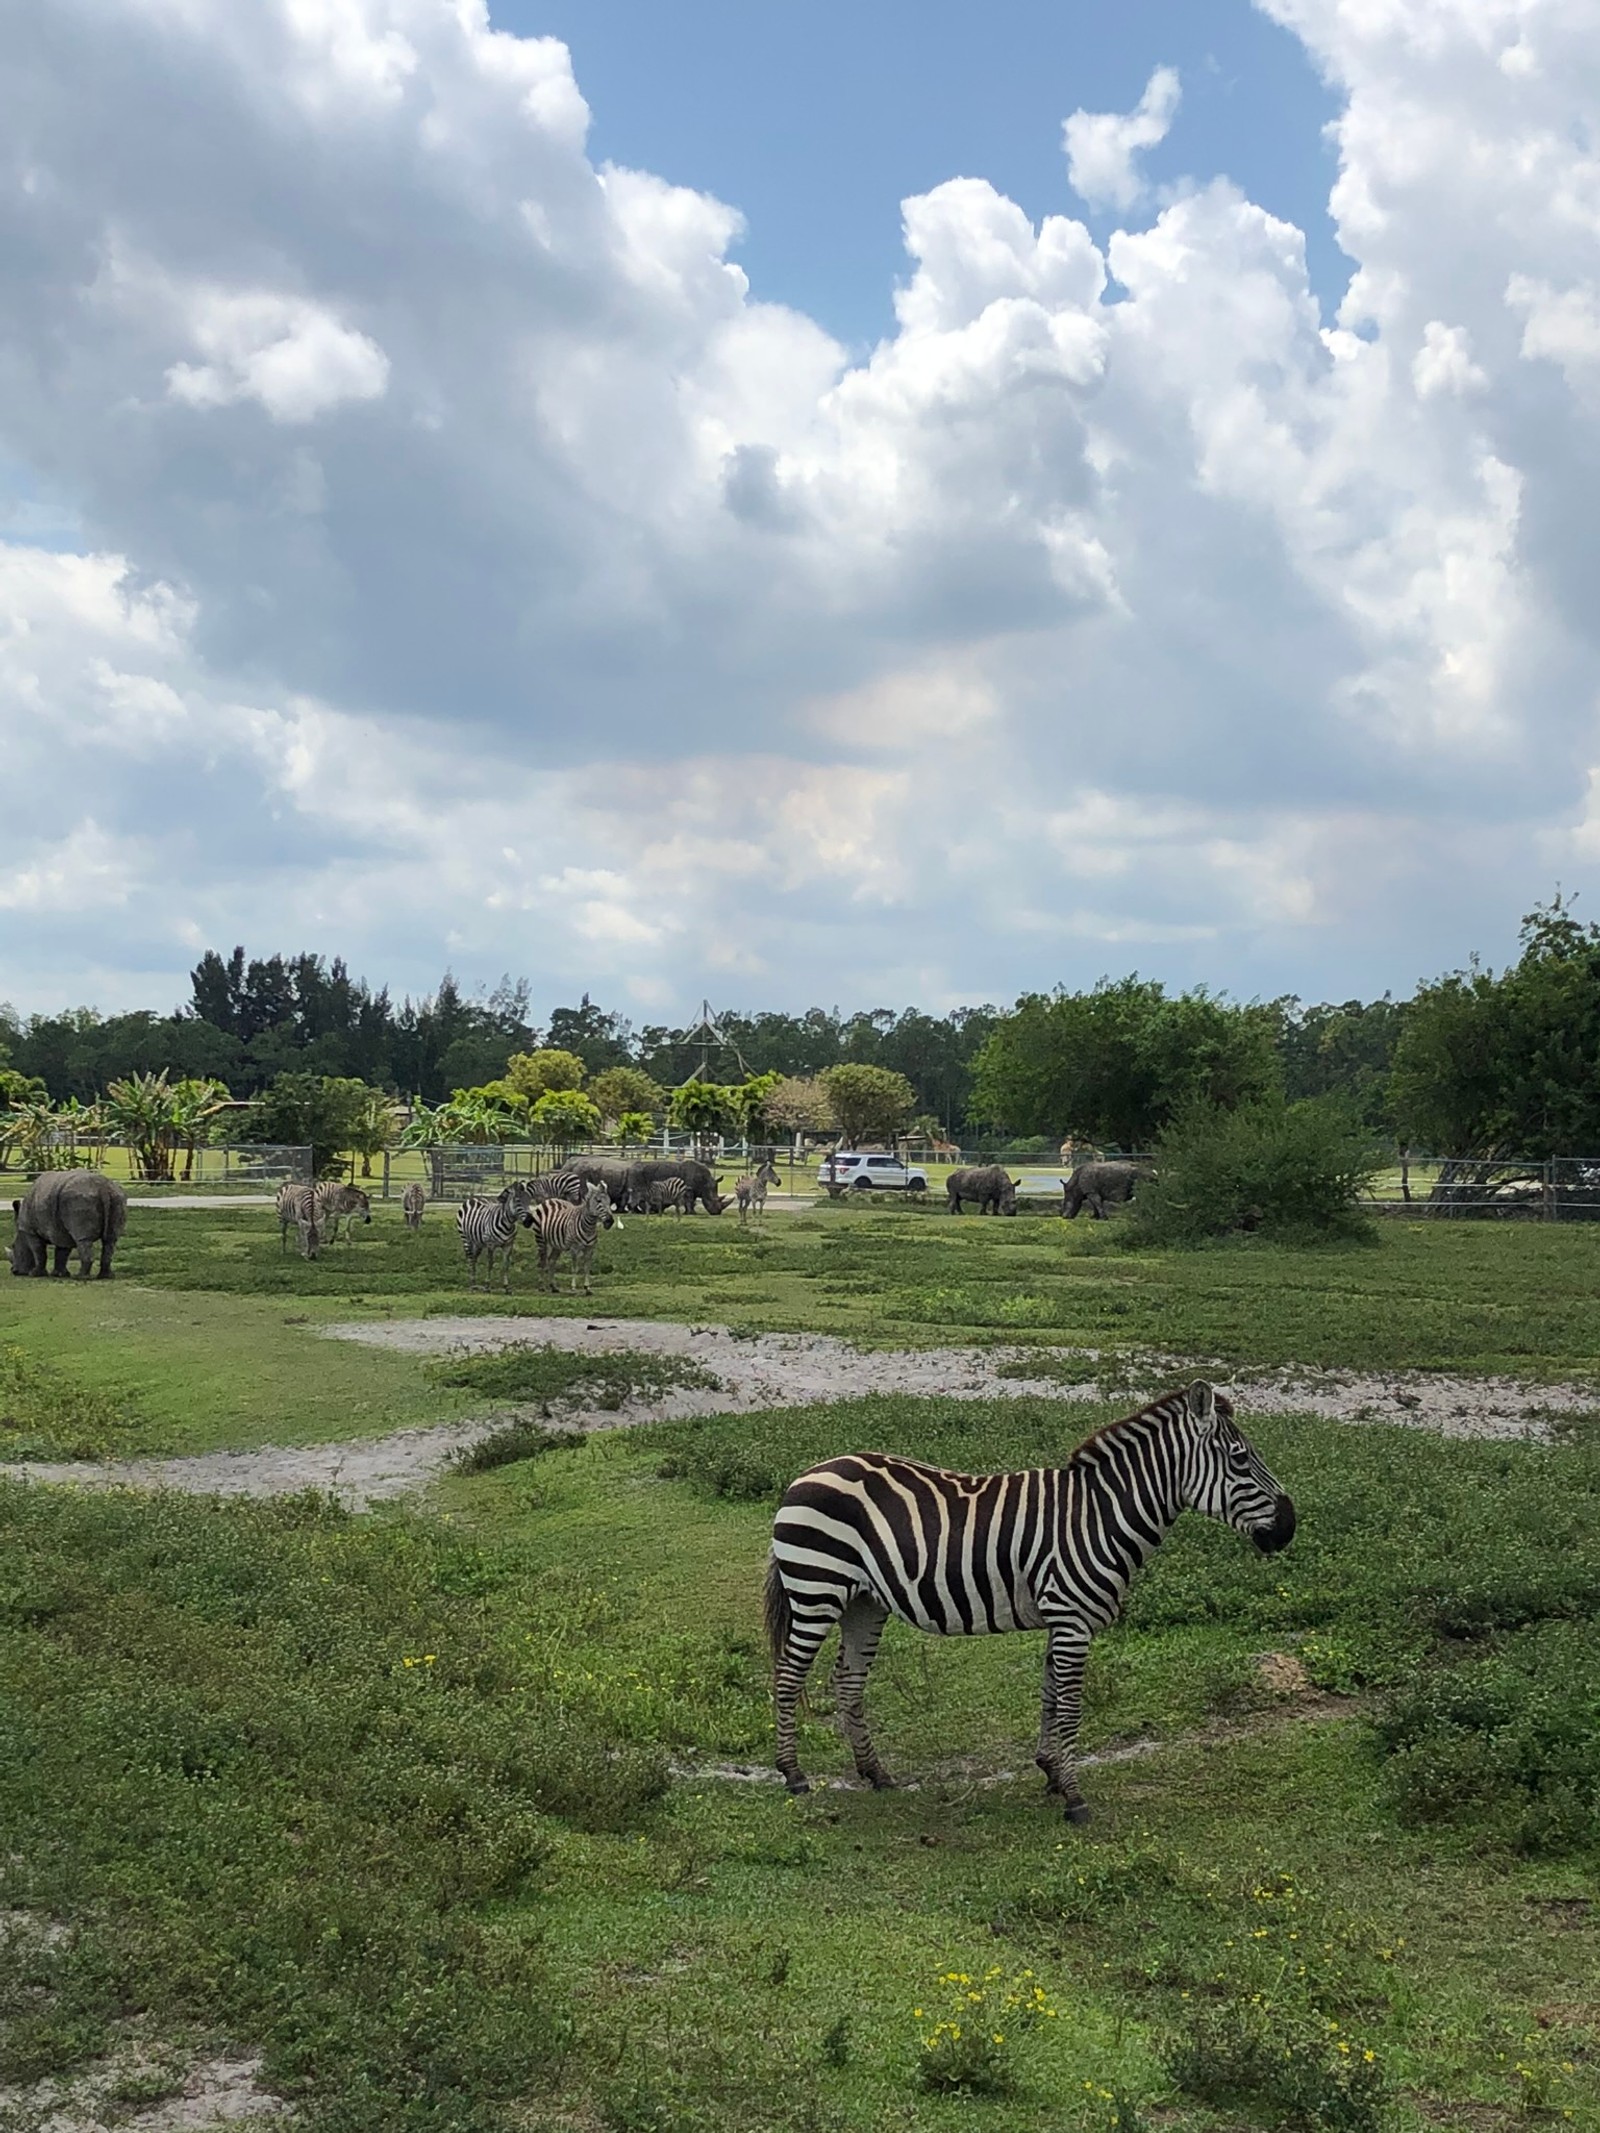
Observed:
{"x":1476,"y":1062}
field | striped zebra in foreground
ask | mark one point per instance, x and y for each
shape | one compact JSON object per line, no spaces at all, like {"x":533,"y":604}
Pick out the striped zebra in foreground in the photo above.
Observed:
{"x":412,"y":1201}
{"x":490,"y":1226}
{"x":666,"y":1196}
{"x":1054,"y":1548}
{"x":574,"y":1231}
{"x":296,"y":1209}
{"x":751,"y":1192}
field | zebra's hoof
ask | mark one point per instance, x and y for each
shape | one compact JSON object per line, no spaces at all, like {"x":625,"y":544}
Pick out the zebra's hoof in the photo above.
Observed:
{"x":881,"y":1780}
{"x":798,"y":1782}
{"x":1077,"y":1813}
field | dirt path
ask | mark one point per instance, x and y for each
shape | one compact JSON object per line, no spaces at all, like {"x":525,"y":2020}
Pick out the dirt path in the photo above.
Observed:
{"x":791,"y":1370}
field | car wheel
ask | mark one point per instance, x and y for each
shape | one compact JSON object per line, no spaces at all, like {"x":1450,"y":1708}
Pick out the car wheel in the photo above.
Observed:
{"x":861,"y":1185}
{"x":917,"y":1185}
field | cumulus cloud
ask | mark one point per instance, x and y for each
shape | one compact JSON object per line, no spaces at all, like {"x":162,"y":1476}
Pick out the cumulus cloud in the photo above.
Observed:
{"x":1102,"y":146}
{"x":470,"y":566}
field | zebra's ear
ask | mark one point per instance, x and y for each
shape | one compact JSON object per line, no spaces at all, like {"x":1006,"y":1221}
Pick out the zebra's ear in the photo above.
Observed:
{"x":1202,"y":1404}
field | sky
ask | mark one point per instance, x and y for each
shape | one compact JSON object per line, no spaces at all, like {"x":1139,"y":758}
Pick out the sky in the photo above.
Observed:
{"x":864,"y":505}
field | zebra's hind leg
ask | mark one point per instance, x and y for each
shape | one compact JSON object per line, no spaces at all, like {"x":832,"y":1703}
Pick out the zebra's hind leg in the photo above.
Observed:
{"x":801,"y":1639}
{"x":860,"y":1627}
{"x":1062,"y":1705}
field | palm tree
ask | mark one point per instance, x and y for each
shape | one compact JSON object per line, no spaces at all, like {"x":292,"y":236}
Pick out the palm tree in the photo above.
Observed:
{"x":144,"y":1109}
{"x":377,"y":1123}
{"x":195,"y":1103}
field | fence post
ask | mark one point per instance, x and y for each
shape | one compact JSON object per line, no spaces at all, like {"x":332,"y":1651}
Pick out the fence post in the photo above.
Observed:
{"x":386,"y":1173}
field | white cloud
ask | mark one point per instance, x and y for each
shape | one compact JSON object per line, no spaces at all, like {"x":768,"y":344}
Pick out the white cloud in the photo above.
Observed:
{"x":475,"y":567}
{"x":1102,"y":145}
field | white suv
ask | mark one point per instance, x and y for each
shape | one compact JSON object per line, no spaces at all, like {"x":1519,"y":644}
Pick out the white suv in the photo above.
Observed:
{"x":868,"y":1173}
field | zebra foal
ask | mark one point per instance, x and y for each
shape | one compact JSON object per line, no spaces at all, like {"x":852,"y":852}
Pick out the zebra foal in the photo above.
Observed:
{"x":563,"y":1229}
{"x":666,"y":1196}
{"x":1054,"y":1548}
{"x":751,"y":1192}
{"x":412,"y":1201}
{"x":342,"y":1203}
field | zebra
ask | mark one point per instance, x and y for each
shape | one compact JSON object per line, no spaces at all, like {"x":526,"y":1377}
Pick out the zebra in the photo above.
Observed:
{"x":298,"y":1208}
{"x":412,"y":1201}
{"x":561,"y":1184}
{"x":751,"y":1192}
{"x":490,"y":1226}
{"x":563,"y":1228}
{"x":665,"y":1194}
{"x":862,"y":1537}
{"x":343,"y":1203}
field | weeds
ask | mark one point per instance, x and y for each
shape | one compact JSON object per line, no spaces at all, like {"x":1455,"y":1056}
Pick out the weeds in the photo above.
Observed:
{"x":526,"y":1373}
{"x":1294,"y":2069}
{"x":47,"y":1413}
{"x":977,"y":2025}
{"x":513,"y":1442}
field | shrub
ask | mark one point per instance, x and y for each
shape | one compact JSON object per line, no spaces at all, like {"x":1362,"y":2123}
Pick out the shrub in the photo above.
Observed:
{"x":1281,"y":1169}
{"x":976,"y":2024}
{"x":1294,"y":2068}
{"x":1510,"y":1740}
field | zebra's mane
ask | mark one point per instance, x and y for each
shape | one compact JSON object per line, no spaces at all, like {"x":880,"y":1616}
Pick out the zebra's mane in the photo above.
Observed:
{"x":1110,"y":1434}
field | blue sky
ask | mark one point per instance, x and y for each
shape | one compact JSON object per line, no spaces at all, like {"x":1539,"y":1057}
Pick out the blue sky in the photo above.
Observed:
{"x":693,"y":501}
{"x":816,"y":121}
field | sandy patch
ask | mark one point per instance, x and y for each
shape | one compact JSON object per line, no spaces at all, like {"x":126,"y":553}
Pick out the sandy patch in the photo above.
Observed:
{"x":797,"y":1370}
{"x":214,"y":2093}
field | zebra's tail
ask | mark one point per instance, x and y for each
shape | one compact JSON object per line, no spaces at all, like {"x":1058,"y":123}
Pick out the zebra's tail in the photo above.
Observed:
{"x":777,"y":1613}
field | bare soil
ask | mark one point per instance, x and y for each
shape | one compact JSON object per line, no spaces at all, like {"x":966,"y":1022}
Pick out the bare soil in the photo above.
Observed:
{"x":795,"y":1370}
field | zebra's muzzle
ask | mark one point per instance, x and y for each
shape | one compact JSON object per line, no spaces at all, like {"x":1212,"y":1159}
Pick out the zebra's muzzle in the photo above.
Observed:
{"x":1269,"y":1539}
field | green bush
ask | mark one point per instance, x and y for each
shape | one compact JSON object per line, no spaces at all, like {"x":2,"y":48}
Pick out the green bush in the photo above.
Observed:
{"x":1509,"y":1741}
{"x":1292,"y":2067}
{"x":1268,"y":1167}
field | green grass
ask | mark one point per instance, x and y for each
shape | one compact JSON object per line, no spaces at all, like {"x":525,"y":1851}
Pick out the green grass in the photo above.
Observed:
{"x":121,"y":1369}
{"x":527,"y":1372}
{"x":1423,"y":1295}
{"x":453,"y":1894}
{"x":206,"y":1339}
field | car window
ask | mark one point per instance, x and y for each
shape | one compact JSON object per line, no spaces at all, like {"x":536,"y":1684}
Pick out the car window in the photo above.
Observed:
{"x":882,"y":1162}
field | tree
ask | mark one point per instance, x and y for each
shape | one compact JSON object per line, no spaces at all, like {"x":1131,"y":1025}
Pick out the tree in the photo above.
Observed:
{"x":196,"y":1103}
{"x":144,"y":1110}
{"x":703,"y":1108}
{"x":1112,"y":1065}
{"x":315,"y":1111}
{"x":377,"y":1123}
{"x":748,"y":1102}
{"x":1346,"y":1050}
{"x":1510,"y":1064}
{"x":799,"y":1105}
{"x":633,"y":1126}
{"x":867,"y":1102}
{"x":565,"y":1116}
{"x":600,"y":1040}
{"x":536,"y":1074}
{"x":621,"y":1089}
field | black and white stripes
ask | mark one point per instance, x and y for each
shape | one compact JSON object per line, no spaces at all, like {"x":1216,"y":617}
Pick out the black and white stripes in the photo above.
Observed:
{"x":865,"y":1536}
{"x":565,"y":1230}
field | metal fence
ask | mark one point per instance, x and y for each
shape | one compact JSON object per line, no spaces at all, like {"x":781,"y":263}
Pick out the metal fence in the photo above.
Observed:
{"x":230,"y":1167}
{"x":1558,"y":1188}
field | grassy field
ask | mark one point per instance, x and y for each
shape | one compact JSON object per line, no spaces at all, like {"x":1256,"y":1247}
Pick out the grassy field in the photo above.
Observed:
{"x":206,"y":1338}
{"x":438,"y":1809}
{"x":393,"y":1801}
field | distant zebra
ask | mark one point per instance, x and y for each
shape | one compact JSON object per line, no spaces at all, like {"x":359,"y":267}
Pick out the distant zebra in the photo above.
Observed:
{"x":412,"y":1201}
{"x":865,"y":1536}
{"x":297,"y":1209}
{"x":666,"y":1196}
{"x":342,"y":1203}
{"x":573,"y":1231}
{"x":751,"y":1192}
{"x":563,"y":1184}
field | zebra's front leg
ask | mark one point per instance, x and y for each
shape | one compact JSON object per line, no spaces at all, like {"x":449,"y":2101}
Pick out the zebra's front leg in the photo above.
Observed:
{"x":1061,"y":1709}
{"x":860,"y":1627}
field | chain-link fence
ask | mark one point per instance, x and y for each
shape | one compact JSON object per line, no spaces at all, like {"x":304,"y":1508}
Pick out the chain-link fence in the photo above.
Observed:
{"x":1558,"y":1188}
{"x":230,"y":1167}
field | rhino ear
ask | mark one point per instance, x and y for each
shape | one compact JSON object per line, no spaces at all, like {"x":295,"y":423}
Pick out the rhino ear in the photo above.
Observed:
{"x":1202,"y":1404}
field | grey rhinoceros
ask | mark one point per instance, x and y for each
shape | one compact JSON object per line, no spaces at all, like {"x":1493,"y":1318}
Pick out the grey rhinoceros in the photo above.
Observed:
{"x":1099,"y":1185}
{"x":989,"y":1184}
{"x":67,"y":1211}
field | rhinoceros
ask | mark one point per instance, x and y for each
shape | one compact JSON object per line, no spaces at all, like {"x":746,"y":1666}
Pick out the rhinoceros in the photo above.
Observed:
{"x":1099,"y":1185}
{"x":989,"y":1184}
{"x":67,"y":1211}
